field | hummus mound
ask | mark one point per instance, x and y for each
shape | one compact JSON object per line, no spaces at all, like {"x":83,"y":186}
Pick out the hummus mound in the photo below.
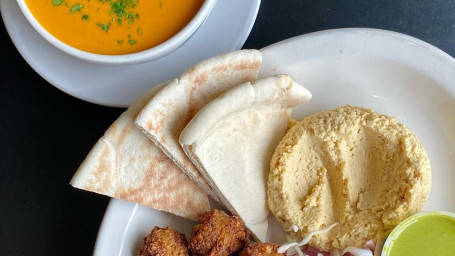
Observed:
{"x":351,"y":166}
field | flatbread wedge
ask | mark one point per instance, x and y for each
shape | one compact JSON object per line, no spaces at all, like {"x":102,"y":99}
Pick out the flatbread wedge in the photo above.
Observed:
{"x":125,"y":164}
{"x":168,"y":112}
{"x":232,"y":139}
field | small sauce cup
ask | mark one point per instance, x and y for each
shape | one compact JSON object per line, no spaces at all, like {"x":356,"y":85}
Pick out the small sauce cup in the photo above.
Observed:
{"x":425,"y":233}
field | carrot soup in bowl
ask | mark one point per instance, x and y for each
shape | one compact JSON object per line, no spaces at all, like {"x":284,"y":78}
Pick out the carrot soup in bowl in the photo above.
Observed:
{"x":116,"y":31}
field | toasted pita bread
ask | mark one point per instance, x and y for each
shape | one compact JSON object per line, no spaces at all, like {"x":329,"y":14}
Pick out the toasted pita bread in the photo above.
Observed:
{"x":168,"y":112}
{"x":125,"y":164}
{"x":232,"y":139}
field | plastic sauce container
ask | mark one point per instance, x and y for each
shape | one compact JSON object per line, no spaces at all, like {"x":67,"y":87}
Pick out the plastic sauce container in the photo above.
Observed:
{"x":427,"y":233}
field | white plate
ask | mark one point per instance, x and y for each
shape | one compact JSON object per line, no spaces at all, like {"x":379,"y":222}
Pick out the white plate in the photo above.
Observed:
{"x":392,"y":73}
{"x":120,"y":85}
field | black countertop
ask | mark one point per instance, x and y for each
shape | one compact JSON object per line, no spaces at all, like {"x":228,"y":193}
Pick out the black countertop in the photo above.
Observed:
{"x":45,"y":133}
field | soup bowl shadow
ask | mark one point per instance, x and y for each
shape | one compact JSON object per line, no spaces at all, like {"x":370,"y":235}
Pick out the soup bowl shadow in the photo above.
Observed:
{"x":150,"y":54}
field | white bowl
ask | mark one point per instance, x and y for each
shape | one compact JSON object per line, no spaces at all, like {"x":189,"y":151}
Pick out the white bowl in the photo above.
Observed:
{"x":139,"y":57}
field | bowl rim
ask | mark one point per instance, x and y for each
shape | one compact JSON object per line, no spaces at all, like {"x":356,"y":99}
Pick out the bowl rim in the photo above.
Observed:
{"x":406,"y":222}
{"x":153,"y":53}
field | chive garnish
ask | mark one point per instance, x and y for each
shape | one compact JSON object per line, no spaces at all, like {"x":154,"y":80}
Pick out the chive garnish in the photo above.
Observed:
{"x":57,"y":2}
{"x":139,"y":31}
{"x":120,"y":41}
{"x":76,"y":7}
{"x":85,"y":17}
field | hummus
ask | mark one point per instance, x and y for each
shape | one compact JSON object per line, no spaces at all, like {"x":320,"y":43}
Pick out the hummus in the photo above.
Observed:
{"x":351,"y":166}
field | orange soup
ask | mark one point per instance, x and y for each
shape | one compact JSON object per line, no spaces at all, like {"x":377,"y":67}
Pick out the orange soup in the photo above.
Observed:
{"x":113,"y":26}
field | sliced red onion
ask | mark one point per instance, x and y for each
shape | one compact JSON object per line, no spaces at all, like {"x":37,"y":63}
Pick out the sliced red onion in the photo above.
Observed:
{"x":358,"y":251}
{"x":370,"y":245}
{"x":335,"y":252}
{"x":311,"y":251}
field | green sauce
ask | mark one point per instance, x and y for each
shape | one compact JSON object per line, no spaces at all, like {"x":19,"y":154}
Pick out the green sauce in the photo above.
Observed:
{"x":426,"y":235}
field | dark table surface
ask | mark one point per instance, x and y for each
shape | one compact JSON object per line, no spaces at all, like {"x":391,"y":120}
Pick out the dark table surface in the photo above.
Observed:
{"x":45,"y":134}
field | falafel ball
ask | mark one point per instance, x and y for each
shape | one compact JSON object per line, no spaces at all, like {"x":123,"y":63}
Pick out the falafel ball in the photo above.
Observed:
{"x":262,"y":249}
{"x":164,"y":242}
{"x":218,"y":234}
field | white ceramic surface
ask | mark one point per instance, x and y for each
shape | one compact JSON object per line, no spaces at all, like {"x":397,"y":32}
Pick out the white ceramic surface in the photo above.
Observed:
{"x":392,"y":73}
{"x":120,"y":85}
{"x":134,"y":58}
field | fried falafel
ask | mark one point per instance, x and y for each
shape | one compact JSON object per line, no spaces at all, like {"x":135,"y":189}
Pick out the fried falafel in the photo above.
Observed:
{"x":164,"y":242}
{"x":218,"y":234}
{"x":262,"y":249}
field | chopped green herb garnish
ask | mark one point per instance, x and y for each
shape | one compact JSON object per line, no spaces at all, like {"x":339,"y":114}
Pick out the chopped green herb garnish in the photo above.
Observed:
{"x":103,"y":27}
{"x":57,"y":2}
{"x":120,"y":41}
{"x":76,"y":7}
{"x":130,"y":18}
{"x":120,"y":7}
{"x":161,"y":4}
{"x":85,"y":17}
{"x":131,"y":41}
{"x":139,"y":31}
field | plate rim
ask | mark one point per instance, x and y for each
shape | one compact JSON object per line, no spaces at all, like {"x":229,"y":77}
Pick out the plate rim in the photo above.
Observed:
{"x":399,"y":38}
{"x":365,"y":30}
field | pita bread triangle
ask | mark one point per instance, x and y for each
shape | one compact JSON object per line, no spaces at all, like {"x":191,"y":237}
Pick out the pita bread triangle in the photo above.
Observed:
{"x":168,"y":112}
{"x":125,"y":164}
{"x":232,"y":139}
